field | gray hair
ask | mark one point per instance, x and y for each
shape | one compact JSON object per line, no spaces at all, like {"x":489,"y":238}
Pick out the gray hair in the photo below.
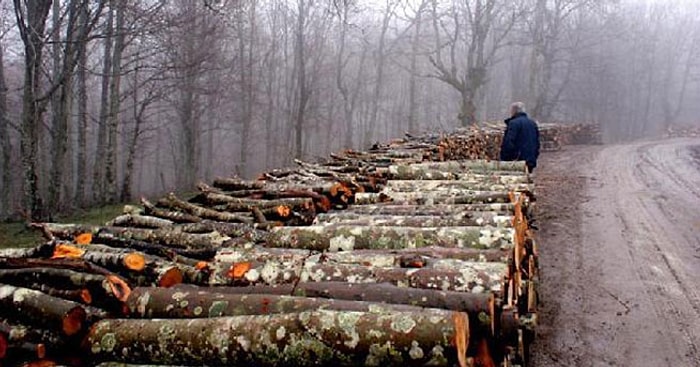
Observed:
{"x":517,"y":107}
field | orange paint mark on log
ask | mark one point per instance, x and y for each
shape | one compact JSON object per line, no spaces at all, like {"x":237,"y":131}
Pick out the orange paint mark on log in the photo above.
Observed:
{"x":67,"y":251}
{"x":83,"y":238}
{"x":238,"y":270}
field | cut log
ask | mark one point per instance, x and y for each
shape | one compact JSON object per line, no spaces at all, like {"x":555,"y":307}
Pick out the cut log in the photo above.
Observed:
{"x":25,"y":343}
{"x":173,"y":202}
{"x":207,"y":302}
{"x":141,"y":221}
{"x":481,"y":305}
{"x":452,"y":197}
{"x":472,"y":277}
{"x":420,"y":210}
{"x":41,"y":310}
{"x":300,"y":339}
{"x":351,"y":219}
{"x":417,"y":172}
{"x":92,"y":289}
{"x":453,"y":186}
{"x":180,"y":256}
{"x":177,"y":217}
{"x":345,"y":238}
{"x":42,"y":250}
{"x":476,"y":165}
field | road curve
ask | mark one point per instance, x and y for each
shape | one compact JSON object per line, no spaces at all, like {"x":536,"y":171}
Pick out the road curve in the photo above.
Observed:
{"x":621,"y":274}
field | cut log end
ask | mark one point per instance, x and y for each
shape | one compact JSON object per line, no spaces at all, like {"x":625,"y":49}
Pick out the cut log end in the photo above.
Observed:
{"x":3,"y":346}
{"x":119,"y":288}
{"x":171,"y":277}
{"x":283,"y":211}
{"x":135,"y":261}
{"x":85,"y":296}
{"x":238,"y":270}
{"x":67,"y":252}
{"x":461,"y":341}
{"x":73,"y":321}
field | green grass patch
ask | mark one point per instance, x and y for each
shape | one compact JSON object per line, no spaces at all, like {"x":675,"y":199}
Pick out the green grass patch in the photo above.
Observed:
{"x":14,"y":234}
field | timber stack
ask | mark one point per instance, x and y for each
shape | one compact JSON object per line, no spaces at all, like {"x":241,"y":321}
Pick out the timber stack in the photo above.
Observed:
{"x":682,"y":132}
{"x":411,"y":253}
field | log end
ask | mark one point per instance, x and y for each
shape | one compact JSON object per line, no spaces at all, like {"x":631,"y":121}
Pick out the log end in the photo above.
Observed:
{"x":135,"y":261}
{"x":74,"y":320}
{"x":170,"y":277}
{"x":3,"y":346}
{"x":461,"y":337}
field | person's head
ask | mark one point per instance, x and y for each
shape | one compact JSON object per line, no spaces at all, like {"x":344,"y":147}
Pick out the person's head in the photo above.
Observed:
{"x":517,"y":107}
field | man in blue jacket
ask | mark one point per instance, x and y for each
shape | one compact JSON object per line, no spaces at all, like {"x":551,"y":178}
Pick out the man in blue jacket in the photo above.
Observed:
{"x":521,"y":141}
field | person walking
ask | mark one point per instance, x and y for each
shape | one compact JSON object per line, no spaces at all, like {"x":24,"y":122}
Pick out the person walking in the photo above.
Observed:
{"x":521,"y":141}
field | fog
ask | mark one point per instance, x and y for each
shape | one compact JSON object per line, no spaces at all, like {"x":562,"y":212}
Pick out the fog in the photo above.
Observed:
{"x":104,"y":101}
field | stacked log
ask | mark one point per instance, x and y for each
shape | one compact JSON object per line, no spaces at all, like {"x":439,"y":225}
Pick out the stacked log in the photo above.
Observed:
{"x":396,"y":255}
{"x":673,"y":131}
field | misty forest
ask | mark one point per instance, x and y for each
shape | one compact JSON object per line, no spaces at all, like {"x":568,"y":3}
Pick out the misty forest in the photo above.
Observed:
{"x":102,"y":101}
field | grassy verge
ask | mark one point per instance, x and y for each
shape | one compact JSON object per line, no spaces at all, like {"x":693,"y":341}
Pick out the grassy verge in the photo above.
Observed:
{"x":18,"y":235}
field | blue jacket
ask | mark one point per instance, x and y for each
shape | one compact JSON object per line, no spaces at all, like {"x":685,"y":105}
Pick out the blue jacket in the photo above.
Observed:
{"x":521,"y":141}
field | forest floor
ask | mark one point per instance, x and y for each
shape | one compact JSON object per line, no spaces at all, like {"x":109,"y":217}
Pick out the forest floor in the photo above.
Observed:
{"x":17,"y":234}
{"x":619,"y":246}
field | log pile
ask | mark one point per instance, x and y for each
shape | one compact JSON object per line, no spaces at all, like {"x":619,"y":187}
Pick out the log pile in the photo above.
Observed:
{"x":394,"y":256}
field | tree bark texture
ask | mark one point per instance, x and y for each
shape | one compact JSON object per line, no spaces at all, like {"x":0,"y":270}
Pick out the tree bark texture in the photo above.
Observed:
{"x":352,"y":219}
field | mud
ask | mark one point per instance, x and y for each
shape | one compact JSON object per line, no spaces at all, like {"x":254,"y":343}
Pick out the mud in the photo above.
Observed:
{"x":620,"y":255}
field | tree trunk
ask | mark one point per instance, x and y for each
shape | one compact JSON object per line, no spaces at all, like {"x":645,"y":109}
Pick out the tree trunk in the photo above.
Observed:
{"x":453,"y":186}
{"x":5,"y":146}
{"x":302,"y":94}
{"x":301,"y":339}
{"x":38,"y":309}
{"x":32,"y":33}
{"x":98,"y":171}
{"x":434,"y":198}
{"x":476,"y":165}
{"x":111,"y":161}
{"x":81,"y":169}
{"x":171,"y":201}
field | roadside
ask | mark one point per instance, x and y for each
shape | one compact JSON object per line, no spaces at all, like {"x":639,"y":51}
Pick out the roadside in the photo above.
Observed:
{"x":620,"y":255}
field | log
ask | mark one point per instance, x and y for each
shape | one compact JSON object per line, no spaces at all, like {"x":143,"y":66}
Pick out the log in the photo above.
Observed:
{"x":345,"y":238}
{"x":42,"y":250}
{"x":139,"y":268}
{"x":41,"y":310}
{"x":417,"y":172}
{"x":92,"y":289}
{"x":420,"y":210}
{"x":300,"y":339}
{"x":236,"y":184}
{"x":174,"y":216}
{"x":451,"y":197}
{"x":475,"y":277}
{"x":476,"y":165}
{"x":453,"y":186}
{"x":173,"y":202}
{"x":141,"y":221}
{"x":180,"y":256}
{"x":207,"y":302}
{"x":23,"y":343}
{"x":351,"y":219}
{"x":481,"y":305}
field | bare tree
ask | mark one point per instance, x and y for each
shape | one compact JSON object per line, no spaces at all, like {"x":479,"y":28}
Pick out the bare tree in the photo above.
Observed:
{"x":5,"y":143}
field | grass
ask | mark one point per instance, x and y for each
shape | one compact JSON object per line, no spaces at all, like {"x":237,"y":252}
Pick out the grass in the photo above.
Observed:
{"x":16,"y":234}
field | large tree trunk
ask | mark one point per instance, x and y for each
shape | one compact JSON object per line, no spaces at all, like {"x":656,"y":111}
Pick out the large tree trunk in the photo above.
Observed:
{"x":299,"y":339}
{"x":98,"y":171}
{"x":32,"y":23}
{"x":81,"y":169}
{"x":473,"y":210}
{"x":5,"y":146}
{"x":111,"y":161}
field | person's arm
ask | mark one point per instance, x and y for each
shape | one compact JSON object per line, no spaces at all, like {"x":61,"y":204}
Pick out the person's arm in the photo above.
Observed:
{"x":537,"y":147}
{"x":508,"y":144}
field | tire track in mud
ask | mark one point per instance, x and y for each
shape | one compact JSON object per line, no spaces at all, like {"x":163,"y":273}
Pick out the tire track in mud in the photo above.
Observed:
{"x":635,"y":242}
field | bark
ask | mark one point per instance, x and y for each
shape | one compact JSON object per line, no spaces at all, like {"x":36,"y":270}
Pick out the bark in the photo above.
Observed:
{"x":178,"y":255}
{"x":5,"y":146}
{"x":171,"y":201}
{"x":442,"y":186}
{"x":30,"y":343}
{"x":475,"y":165}
{"x":352,"y":219}
{"x":420,"y":210}
{"x":42,"y":250}
{"x":81,"y":168}
{"x":300,"y":339}
{"x":178,"y":303}
{"x":38,"y":309}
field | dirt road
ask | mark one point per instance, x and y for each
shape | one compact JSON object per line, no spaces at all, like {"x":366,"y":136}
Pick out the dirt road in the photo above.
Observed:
{"x":620,"y":255}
